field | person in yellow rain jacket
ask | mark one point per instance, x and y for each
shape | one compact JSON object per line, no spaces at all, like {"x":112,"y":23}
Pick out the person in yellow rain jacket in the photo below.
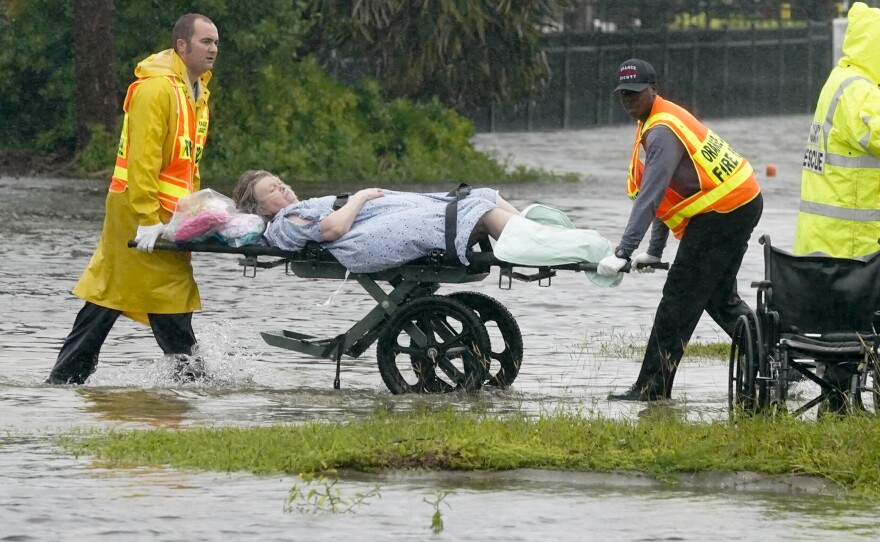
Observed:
{"x":164,"y":131}
{"x":839,"y":213}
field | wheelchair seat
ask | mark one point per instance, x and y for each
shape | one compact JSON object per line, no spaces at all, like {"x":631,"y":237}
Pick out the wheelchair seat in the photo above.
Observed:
{"x":817,"y":318}
{"x":835,"y":345}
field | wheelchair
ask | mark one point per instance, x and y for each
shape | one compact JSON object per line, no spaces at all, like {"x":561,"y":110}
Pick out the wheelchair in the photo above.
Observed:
{"x":816,"y":320}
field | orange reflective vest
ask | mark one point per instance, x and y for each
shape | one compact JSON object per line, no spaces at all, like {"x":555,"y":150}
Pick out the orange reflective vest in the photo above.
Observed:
{"x":726,"y":178}
{"x":176,"y":179}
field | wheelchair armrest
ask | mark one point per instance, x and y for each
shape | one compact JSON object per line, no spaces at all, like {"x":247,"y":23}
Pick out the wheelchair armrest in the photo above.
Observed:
{"x":762,"y":284}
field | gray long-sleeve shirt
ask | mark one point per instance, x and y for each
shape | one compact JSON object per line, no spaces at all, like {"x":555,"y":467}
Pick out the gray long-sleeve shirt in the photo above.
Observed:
{"x":667,"y":165}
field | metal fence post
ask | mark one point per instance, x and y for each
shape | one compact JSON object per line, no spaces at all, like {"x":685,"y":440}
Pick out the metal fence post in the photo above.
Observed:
{"x":810,"y":27}
{"x":725,"y":79}
{"x":781,"y":77}
{"x":492,"y":117}
{"x":566,"y":85}
{"x":754,"y":61}
{"x":695,"y":74}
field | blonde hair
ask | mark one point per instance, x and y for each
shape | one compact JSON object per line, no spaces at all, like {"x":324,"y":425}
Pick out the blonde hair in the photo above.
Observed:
{"x":244,"y":196}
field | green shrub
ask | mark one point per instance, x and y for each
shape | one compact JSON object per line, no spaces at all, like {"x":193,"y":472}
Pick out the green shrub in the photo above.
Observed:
{"x":36,"y":76}
{"x":99,"y":156}
{"x":304,"y":125}
{"x":270,"y":109}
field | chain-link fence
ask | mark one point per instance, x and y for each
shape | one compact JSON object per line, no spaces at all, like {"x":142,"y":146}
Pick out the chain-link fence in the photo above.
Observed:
{"x":726,"y":72}
{"x":614,"y":15}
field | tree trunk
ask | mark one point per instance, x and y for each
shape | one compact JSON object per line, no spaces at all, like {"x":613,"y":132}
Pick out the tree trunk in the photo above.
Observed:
{"x":94,"y":57}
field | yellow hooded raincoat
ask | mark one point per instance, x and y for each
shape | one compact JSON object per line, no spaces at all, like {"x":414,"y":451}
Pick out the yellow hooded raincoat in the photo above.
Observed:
{"x":840,"y":183}
{"x":123,"y":278}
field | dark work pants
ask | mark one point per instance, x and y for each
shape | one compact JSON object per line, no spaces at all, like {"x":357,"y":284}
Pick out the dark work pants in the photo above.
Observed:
{"x":79,"y":355}
{"x":702,"y":278}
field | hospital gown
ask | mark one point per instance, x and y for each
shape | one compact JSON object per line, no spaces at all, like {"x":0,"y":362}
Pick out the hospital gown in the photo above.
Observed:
{"x":388,"y":231}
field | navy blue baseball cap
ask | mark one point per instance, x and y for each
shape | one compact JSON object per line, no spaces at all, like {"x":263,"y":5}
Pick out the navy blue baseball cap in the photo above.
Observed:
{"x":635,"y":75}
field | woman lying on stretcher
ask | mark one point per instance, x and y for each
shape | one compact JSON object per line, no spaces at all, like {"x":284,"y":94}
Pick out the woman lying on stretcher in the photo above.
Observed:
{"x":378,"y":229}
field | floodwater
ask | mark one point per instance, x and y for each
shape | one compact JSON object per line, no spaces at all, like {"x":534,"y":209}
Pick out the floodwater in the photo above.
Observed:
{"x":575,"y":336}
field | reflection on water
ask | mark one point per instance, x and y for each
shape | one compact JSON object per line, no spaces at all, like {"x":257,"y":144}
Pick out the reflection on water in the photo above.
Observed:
{"x":152,"y":406}
{"x":576,"y":338}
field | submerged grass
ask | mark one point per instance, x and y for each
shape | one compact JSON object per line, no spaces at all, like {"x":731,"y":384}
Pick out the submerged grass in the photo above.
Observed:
{"x":616,"y":343}
{"x":635,"y":350}
{"x":708,"y":350}
{"x":845,"y":451}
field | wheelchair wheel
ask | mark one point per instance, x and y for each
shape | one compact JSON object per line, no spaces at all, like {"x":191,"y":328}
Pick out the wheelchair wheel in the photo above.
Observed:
{"x":746,"y":392}
{"x":505,"y":351}
{"x":431,"y":345}
{"x":874,"y":375}
{"x":868,"y":397}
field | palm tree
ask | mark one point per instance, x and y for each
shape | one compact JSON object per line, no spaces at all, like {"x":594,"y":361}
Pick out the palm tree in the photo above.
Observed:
{"x":94,"y":68}
{"x":465,"y":53}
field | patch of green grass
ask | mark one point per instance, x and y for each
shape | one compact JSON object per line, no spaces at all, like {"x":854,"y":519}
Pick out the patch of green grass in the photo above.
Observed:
{"x":708,"y":350}
{"x":623,"y":345}
{"x":845,"y":451}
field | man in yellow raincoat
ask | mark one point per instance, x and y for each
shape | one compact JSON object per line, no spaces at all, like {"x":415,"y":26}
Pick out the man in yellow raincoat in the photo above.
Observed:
{"x":164,"y":131}
{"x":839,"y":213}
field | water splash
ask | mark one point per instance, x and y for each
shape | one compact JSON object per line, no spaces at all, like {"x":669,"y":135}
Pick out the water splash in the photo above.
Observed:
{"x":228,"y":356}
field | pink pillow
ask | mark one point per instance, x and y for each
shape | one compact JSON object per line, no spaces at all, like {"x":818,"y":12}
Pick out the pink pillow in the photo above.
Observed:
{"x":200,"y":224}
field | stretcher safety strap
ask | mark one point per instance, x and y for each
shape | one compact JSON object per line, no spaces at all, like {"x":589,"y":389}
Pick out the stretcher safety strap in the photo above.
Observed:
{"x":336,"y":291}
{"x":341,"y":199}
{"x":459,"y":193}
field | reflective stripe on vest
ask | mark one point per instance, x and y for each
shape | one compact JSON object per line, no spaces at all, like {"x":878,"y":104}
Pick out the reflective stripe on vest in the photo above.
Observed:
{"x":841,"y":160}
{"x":176,"y":179}
{"x":840,"y":213}
{"x":726,"y":178}
{"x":816,"y":164}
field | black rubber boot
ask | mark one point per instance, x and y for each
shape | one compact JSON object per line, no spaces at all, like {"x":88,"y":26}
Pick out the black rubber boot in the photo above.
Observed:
{"x":175,"y":336}
{"x":837,"y":402}
{"x":78,"y":357}
{"x":637,"y":392}
{"x":188,"y":368}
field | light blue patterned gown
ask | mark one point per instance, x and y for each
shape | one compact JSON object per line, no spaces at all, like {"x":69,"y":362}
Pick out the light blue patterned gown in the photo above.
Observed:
{"x":388,"y":231}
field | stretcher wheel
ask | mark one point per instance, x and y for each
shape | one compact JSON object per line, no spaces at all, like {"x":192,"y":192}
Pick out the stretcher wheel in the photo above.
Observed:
{"x":505,"y":352}
{"x":746,"y":390}
{"x":433,"y":344}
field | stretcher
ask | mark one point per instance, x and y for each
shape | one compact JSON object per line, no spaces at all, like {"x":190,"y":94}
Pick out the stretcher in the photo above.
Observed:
{"x":425,"y":342}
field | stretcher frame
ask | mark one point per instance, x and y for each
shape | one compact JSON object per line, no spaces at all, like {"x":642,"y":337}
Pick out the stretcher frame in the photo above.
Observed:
{"x":411,"y":282}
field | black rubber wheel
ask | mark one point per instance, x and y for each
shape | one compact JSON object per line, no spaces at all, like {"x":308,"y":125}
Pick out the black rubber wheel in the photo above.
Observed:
{"x":433,"y":344}
{"x":869,"y":397}
{"x":746,"y":393}
{"x":506,"y":345}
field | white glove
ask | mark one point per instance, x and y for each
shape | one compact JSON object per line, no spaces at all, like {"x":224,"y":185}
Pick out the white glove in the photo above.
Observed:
{"x":146,"y":236}
{"x":640,"y":262}
{"x":610,"y":266}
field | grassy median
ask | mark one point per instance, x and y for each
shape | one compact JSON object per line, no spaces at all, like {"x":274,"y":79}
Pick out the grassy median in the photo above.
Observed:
{"x":843,"y":450}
